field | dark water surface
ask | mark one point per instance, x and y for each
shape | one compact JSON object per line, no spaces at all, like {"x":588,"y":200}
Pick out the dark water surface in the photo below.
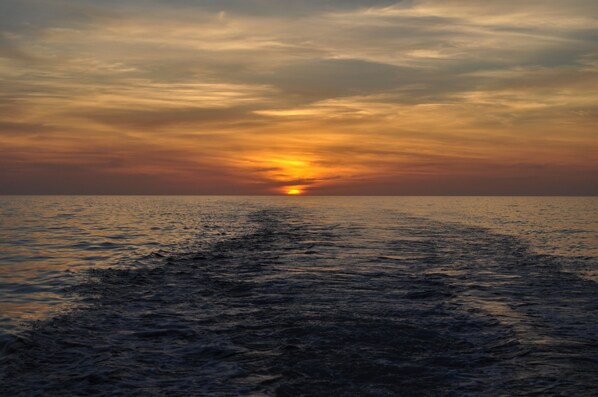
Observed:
{"x":281,"y":296}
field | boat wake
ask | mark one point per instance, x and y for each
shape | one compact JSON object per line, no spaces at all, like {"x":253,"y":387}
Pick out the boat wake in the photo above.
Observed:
{"x":300,"y":306}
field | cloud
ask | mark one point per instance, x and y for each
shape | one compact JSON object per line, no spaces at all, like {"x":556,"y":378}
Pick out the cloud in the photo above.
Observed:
{"x":161,"y":118}
{"x":10,"y":52}
{"x":249,"y":96}
{"x":333,"y":78}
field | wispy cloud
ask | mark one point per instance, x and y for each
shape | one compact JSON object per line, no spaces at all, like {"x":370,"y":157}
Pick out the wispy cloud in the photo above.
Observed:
{"x":330,"y":96}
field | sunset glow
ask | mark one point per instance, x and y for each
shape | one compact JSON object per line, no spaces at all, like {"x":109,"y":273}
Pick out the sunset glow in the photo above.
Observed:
{"x":298,"y":197}
{"x":379,"y":97}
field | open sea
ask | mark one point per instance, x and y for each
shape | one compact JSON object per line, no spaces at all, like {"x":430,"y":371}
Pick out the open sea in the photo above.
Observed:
{"x":298,"y":296}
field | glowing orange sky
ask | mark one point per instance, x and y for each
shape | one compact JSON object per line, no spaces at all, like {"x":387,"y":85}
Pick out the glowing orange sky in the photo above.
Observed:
{"x":320,"y":97}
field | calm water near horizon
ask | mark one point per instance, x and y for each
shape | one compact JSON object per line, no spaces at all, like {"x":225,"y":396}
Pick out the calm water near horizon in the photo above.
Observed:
{"x":257,"y":291}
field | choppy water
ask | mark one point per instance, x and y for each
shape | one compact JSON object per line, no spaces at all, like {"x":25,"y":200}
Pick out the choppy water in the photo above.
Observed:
{"x":299,"y":296}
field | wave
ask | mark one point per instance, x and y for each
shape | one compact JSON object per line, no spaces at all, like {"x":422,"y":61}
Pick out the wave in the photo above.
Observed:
{"x":300,"y":306}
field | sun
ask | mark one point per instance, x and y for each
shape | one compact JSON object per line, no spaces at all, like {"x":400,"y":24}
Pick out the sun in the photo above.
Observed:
{"x":294,"y":192}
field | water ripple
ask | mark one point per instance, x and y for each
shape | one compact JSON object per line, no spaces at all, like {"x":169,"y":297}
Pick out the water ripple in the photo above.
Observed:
{"x":299,"y":306}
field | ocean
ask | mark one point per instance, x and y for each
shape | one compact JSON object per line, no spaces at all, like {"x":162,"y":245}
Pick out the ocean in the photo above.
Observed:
{"x":207,"y":295}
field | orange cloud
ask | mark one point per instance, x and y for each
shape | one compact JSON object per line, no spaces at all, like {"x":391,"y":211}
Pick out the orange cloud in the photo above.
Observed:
{"x":406,"y":98}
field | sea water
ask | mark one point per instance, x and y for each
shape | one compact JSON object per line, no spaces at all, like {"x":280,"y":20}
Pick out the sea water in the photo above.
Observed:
{"x":298,"y":295}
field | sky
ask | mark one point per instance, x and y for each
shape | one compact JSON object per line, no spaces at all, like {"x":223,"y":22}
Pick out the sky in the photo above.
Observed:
{"x":320,"y":97}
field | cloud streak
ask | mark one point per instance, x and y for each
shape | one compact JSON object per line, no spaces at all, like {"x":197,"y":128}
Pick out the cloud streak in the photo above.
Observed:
{"x":256,"y":97}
